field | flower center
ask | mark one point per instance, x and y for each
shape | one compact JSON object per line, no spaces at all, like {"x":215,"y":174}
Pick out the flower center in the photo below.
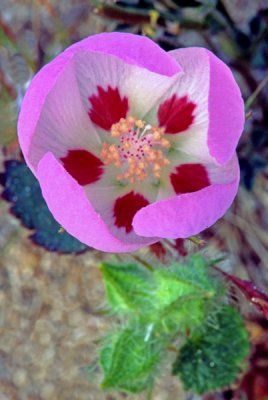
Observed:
{"x":139,"y":150}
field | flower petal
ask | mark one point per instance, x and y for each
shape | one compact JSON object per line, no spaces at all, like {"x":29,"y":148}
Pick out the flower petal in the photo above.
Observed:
{"x":219,"y":117}
{"x":34,"y":100}
{"x":71,"y":208}
{"x":183,"y":110}
{"x":128,"y":47}
{"x":133,"y":49}
{"x":107,"y":107}
{"x":126,"y":207}
{"x":189,"y":178}
{"x":226,"y":111}
{"x":117,"y":204}
{"x":83,"y":166}
{"x":63,"y":123}
{"x":187,"y":214}
{"x":187,"y":174}
{"x":111,"y":88}
{"x":176,"y":114}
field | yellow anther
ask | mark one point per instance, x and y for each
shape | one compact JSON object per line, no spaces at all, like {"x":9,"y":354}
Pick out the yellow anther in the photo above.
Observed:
{"x":110,"y":155}
{"x":156,"y":167}
{"x":146,"y":148}
{"x":127,"y":145}
{"x":151,"y":155}
{"x":165,"y":143}
{"x":131,"y":120}
{"x":166,"y":162}
{"x":158,"y":154}
{"x":157,"y":135}
{"x":139,"y":123}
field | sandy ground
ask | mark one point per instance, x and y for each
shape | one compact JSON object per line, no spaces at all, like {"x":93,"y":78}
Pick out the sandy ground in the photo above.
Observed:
{"x":50,"y":323}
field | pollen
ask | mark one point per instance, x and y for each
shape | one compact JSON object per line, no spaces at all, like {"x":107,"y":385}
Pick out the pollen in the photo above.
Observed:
{"x":138,"y":150}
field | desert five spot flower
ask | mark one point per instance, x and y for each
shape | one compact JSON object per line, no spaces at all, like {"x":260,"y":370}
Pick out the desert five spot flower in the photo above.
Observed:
{"x":131,"y":144}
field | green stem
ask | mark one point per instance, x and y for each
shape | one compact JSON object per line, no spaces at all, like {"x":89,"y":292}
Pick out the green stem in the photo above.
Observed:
{"x":256,"y":92}
{"x":143,"y":262}
{"x":196,"y":240}
{"x":217,"y":261}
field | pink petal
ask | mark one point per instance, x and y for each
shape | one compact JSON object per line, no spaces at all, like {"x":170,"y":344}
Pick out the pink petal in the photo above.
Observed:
{"x":176,"y":114}
{"x":107,"y":107}
{"x":83,"y":166}
{"x":133,"y":49}
{"x":128,"y":47}
{"x":117,"y":204}
{"x":71,"y":208}
{"x":219,"y":117}
{"x":189,"y":178}
{"x":110,"y":88}
{"x":63,"y":123}
{"x":126,"y":207}
{"x":187,"y":214}
{"x":190,"y":93}
{"x":34,"y":100}
{"x":187,"y":174}
{"x":226,"y":111}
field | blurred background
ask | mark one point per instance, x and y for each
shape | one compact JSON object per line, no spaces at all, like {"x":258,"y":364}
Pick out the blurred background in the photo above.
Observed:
{"x":51,"y":300}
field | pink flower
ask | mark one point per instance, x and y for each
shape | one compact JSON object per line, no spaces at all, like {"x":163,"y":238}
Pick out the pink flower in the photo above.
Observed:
{"x":131,"y":144}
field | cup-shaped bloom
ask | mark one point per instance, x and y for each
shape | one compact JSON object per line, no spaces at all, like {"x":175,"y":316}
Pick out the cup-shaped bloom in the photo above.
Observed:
{"x":131,"y":144}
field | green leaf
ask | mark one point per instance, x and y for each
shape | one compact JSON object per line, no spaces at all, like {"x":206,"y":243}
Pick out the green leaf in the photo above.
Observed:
{"x":212,"y":358}
{"x":158,"y":304}
{"x":174,"y":298}
{"x":184,"y":317}
{"x":22,"y":190}
{"x":130,"y":359}
{"x":127,"y":286}
{"x":191,"y":279}
{"x":183,"y":293}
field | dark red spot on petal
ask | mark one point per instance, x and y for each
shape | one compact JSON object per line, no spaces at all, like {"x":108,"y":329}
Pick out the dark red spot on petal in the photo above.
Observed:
{"x":83,"y":166}
{"x":189,"y":178}
{"x":125,"y":209}
{"x":176,"y":114}
{"x":107,"y":107}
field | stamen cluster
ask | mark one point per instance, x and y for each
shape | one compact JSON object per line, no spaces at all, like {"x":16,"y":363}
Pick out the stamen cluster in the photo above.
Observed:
{"x":139,"y":150}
